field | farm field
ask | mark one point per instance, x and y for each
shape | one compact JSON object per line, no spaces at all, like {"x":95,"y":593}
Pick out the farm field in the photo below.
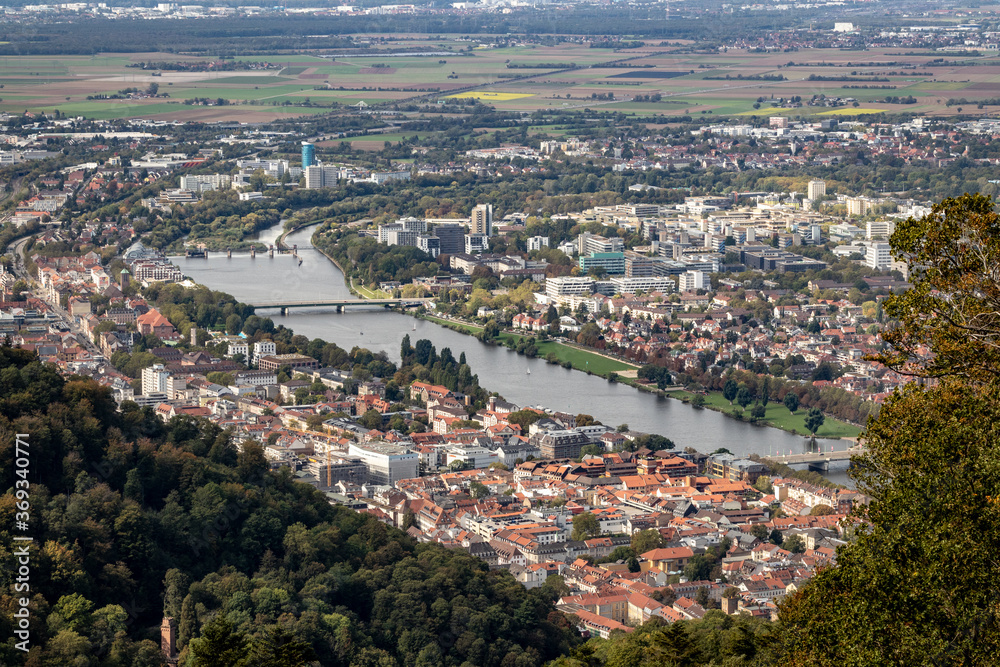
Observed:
{"x":649,"y":81}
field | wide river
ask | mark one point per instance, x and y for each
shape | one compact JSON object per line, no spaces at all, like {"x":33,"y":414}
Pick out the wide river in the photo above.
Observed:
{"x":499,"y":369}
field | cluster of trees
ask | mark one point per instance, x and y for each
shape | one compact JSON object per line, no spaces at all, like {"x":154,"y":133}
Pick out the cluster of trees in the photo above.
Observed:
{"x":129,"y":513}
{"x":366,"y":260}
{"x":422,"y":362}
{"x":716,"y":639}
{"x":748,"y":387}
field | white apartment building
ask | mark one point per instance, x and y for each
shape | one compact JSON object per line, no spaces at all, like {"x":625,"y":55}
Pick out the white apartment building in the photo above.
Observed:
{"x":625,"y":285}
{"x":476,"y":244}
{"x":475,"y":457}
{"x":858,"y":205}
{"x":690,"y":281}
{"x":264,"y":348}
{"x":154,"y":379}
{"x":238,"y":348}
{"x":816,"y":189}
{"x":538,"y":242}
{"x":320,"y":176}
{"x":481,"y":220}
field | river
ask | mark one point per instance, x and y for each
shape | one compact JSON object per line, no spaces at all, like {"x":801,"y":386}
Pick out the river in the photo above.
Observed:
{"x":283,"y":278}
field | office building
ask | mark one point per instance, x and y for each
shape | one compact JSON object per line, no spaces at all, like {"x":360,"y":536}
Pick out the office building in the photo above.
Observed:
{"x":588,"y":243}
{"x":569,"y":285}
{"x":610,"y":262}
{"x":816,"y":189}
{"x":766,"y":258}
{"x":206,"y":182}
{"x":878,"y":256}
{"x":481,"y":220}
{"x":559,"y":444}
{"x":386,"y":463}
{"x":308,"y":154}
{"x":452,"y":238}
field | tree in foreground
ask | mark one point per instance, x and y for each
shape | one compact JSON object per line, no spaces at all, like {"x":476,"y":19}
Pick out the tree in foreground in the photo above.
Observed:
{"x":220,"y":645}
{"x":918,"y":584}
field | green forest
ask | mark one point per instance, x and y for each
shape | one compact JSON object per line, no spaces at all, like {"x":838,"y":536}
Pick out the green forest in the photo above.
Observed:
{"x":134,"y":519}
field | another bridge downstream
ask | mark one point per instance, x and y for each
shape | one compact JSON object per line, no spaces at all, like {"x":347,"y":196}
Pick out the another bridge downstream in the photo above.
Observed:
{"x":819,"y":460}
{"x":338,"y":304}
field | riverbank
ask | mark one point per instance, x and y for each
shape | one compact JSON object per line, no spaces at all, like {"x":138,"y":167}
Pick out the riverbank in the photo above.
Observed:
{"x":594,"y":363}
{"x":777,"y":416}
{"x":280,"y":241}
{"x":551,"y":385}
{"x":568,"y":356}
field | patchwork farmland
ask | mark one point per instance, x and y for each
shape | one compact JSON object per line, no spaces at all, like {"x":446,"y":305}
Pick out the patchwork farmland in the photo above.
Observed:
{"x":650,"y":81}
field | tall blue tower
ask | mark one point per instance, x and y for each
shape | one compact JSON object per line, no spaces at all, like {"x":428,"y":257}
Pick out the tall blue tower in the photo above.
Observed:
{"x":308,"y":154}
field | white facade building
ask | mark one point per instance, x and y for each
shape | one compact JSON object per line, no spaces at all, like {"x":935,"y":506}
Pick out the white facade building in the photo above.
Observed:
{"x":264,"y":348}
{"x":690,"y":281}
{"x":569,"y":285}
{"x":386,"y":463}
{"x":538,"y":242}
{"x":878,"y":256}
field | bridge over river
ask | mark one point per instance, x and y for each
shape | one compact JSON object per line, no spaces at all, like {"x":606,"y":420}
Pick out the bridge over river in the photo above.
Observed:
{"x":819,"y":460}
{"x":338,"y":304}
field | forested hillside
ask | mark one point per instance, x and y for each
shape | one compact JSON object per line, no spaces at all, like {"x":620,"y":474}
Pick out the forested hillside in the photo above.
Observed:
{"x":133,"y":519}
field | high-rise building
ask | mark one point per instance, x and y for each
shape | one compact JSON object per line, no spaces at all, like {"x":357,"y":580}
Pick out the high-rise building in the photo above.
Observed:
{"x":318,"y":176}
{"x":308,"y":154}
{"x":816,"y":189}
{"x":481,"y":220}
{"x":452,"y":238}
{"x":154,"y":379}
{"x":878,"y":255}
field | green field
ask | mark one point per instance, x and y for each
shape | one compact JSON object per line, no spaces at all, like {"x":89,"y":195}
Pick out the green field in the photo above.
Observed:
{"x":779,"y":416}
{"x":484,"y":71}
{"x":251,"y":79}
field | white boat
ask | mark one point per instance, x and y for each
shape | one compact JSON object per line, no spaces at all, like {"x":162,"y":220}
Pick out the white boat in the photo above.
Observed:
{"x":527,"y":371}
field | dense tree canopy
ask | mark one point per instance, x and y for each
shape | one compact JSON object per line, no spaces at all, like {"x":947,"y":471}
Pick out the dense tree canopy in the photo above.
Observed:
{"x":135,"y":519}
